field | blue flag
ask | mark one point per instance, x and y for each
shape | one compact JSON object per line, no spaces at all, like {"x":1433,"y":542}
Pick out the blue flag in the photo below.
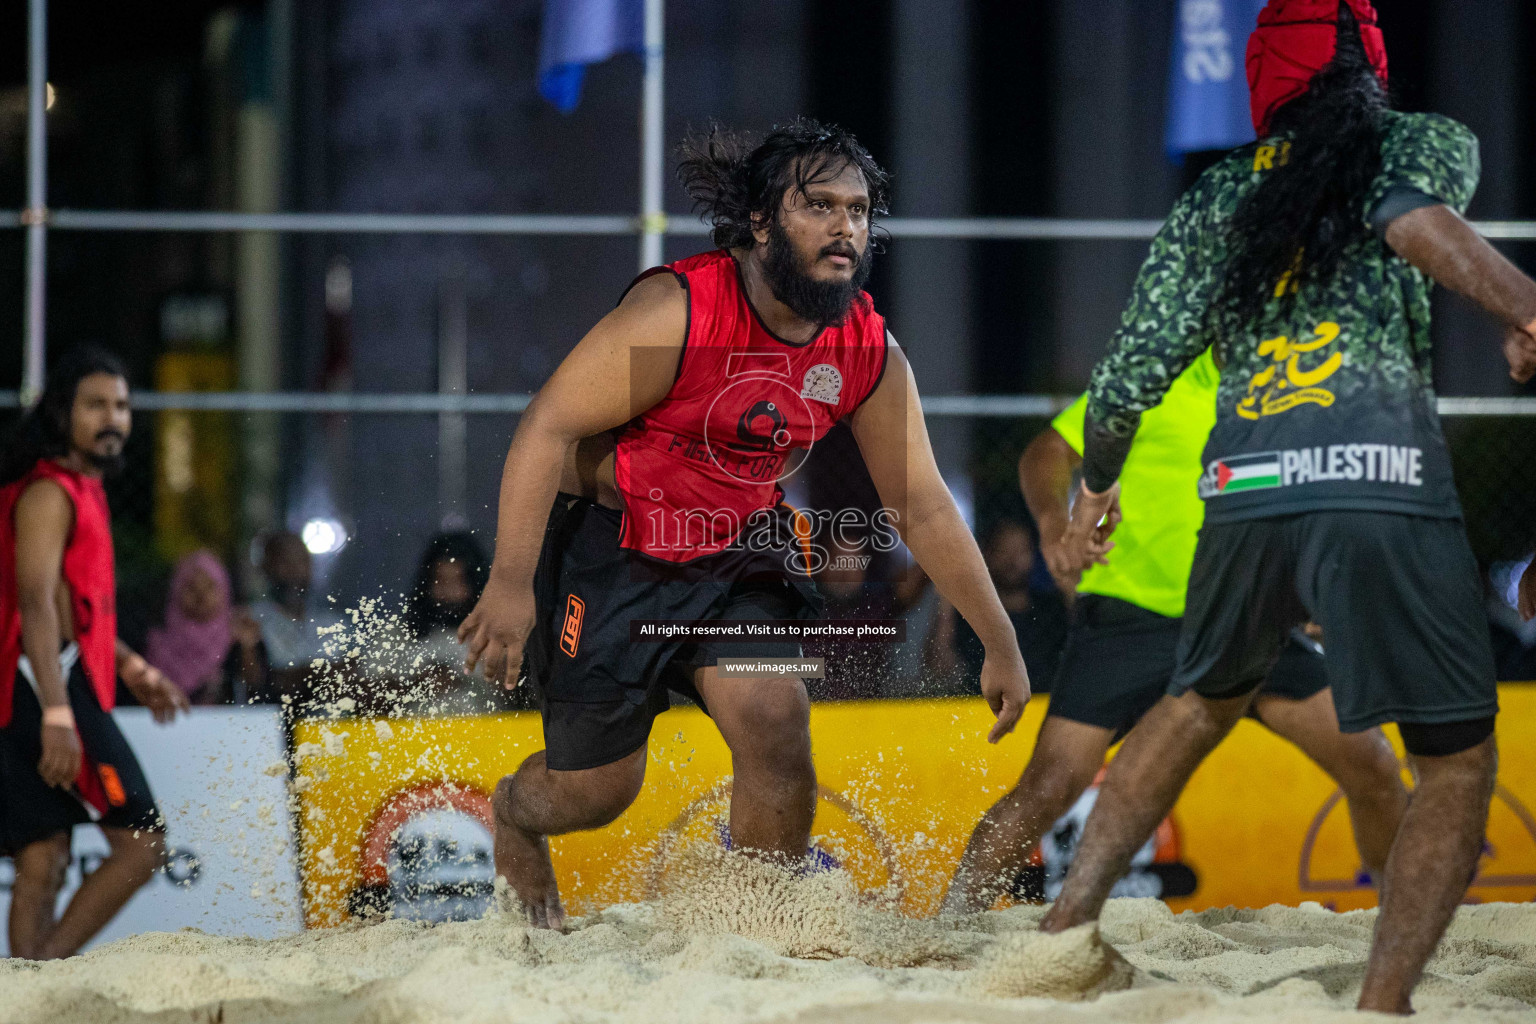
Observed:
{"x":1208,"y":85}
{"x":581,"y":32}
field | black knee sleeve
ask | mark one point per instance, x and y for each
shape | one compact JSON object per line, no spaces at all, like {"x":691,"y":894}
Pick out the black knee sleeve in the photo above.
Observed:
{"x":1444,"y":738}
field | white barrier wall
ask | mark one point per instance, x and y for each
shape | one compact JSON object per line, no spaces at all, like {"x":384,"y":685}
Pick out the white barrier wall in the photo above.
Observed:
{"x":231,"y":867}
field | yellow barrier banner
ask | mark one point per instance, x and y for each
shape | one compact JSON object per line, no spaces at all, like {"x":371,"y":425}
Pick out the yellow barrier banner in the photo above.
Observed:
{"x":395,"y":813}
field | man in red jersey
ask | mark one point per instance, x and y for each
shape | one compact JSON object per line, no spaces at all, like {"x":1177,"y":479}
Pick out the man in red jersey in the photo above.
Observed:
{"x":63,"y":761}
{"x":660,"y":441}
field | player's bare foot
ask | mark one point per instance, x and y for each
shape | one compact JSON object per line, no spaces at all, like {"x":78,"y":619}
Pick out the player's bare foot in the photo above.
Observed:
{"x":522,"y":860}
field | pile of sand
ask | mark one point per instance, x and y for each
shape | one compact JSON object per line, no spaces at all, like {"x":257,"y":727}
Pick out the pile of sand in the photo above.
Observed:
{"x":734,"y":941}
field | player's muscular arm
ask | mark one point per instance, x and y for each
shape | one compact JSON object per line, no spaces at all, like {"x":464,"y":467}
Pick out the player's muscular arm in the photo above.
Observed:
{"x":1045,"y":477}
{"x":44,"y":517}
{"x":623,"y":366}
{"x":1443,"y":245}
{"x":893,"y":439}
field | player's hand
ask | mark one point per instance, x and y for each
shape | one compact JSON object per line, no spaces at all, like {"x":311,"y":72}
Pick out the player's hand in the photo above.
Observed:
{"x":1520,"y":352}
{"x":1094,"y":518}
{"x":60,"y":762}
{"x":1527,"y":597}
{"x":152,"y":689}
{"x":1005,"y":685}
{"x":497,"y":630}
{"x":1058,"y":559}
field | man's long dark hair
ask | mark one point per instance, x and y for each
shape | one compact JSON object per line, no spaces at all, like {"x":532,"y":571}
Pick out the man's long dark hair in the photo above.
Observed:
{"x":1308,"y":210}
{"x":730,"y":176}
{"x":43,"y":432}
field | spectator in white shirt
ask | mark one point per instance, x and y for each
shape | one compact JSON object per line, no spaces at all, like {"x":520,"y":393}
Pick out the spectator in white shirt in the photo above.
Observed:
{"x":290,"y":636}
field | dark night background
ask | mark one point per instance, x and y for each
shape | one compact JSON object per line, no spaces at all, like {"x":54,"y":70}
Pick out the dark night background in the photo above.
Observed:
{"x":987,"y":109}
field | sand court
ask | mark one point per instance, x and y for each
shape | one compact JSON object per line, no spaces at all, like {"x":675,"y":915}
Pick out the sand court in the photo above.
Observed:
{"x":741,"y":941}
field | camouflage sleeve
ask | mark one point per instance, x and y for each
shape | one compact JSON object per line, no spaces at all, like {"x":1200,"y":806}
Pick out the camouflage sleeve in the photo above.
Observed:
{"x":1164,"y":327}
{"x":1427,"y":153}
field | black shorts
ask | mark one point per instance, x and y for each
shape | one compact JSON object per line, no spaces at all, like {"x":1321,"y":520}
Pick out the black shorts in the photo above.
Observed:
{"x":598,"y":690}
{"x":1119,"y":659}
{"x":30,"y":809}
{"x":1398,"y":597}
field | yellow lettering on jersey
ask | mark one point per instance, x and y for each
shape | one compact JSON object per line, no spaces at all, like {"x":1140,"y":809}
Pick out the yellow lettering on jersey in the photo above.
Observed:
{"x":1264,"y":158}
{"x":1268,"y":396}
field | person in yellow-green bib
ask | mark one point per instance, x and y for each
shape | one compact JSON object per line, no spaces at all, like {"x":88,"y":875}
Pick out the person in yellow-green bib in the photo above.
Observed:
{"x":1120,"y":653}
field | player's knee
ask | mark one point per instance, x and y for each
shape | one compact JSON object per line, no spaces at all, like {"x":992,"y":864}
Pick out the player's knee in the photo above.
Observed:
{"x":1383,"y":773}
{"x":506,"y":798}
{"x":43,"y":864}
{"x":142,"y":852}
{"x":1211,"y":718}
{"x":779,"y":754}
{"x":784,"y":714}
{"x":503,"y":804}
{"x":779,"y":732}
{"x":1054,"y":789}
{"x":1367,"y":768}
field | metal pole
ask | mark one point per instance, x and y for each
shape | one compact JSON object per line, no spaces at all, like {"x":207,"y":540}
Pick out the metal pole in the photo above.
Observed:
{"x":998,"y":228}
{"x":653,"y":218}
{"x":452,"y":380}
{"x":505,"y":404}
{"x":36,"y":214}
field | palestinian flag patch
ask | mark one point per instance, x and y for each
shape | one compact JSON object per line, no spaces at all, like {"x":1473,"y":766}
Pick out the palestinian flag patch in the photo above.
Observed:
{"x":1243,"y":473}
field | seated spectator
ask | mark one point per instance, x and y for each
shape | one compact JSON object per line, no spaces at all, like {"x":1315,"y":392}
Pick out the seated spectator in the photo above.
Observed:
{"x":453,"y":572}
{"x":925,"y":663}
{"x":290,"y":641}
{"x":1038,"y":612}
{"x":192,"y":646}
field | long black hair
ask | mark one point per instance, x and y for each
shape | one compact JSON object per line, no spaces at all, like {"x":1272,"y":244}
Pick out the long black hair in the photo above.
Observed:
{"x":1310,"y":208}
{"x":43,"y":432}
{"x":730,"y":176}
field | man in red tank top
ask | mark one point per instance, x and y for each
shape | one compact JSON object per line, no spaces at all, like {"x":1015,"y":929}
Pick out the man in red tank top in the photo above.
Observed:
{"x":660,"y":442}
{"x":63,"y":761}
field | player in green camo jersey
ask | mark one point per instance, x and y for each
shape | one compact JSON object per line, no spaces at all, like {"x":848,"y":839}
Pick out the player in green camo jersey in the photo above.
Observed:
{"x":1122,"y":650}
{"x":1305,"y":260}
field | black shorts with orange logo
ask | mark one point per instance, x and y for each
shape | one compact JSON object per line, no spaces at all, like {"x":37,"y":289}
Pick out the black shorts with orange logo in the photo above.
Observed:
{"x":598,"y":688}
{"x":30,"y":809}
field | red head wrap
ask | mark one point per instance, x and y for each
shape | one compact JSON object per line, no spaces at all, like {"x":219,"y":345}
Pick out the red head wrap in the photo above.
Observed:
{"x":1295,"y":38}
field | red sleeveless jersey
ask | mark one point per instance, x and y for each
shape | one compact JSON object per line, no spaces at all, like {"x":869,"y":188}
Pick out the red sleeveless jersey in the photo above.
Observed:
{"x":88,"y":573}
{"x":694,"y":467}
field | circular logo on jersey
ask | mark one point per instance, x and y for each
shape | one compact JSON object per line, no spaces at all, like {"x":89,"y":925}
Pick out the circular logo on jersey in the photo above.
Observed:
{"x":822,"y":384}
{"x":759,"y":428}
{"x":763,"y":427}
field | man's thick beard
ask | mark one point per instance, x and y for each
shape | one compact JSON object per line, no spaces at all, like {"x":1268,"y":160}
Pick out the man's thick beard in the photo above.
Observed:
{"x":110,"y":466}
{"x":821,"y":302}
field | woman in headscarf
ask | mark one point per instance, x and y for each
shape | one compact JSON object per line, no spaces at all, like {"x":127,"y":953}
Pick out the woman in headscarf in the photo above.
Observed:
{"x":449,"y":580}
{"x":192,"y":645}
